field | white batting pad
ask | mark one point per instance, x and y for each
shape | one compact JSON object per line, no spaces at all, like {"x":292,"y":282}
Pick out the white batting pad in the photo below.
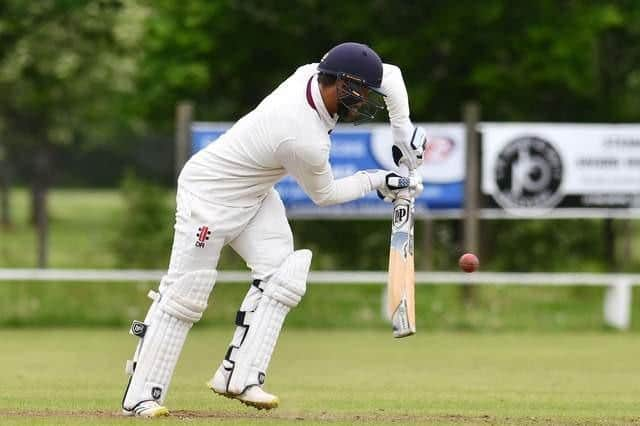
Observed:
{"x":251,"y":349}
{"x":163,"y":333}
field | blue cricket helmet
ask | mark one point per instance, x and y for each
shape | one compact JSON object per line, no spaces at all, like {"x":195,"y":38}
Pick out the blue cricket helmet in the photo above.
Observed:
{"x":358,"y":71}
{"x":356,"y":60}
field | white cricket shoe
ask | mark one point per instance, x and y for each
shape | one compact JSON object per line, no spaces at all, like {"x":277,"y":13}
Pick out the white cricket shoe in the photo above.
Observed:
{"x":147,"y":409}
{"x":254,"y":395}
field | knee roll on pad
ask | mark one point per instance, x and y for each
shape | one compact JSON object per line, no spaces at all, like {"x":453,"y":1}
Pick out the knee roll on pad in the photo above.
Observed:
{"x":187,"y":298}
{"x":289,"y":283}
{"x":255,"y":338}
{"x":163,"y":333}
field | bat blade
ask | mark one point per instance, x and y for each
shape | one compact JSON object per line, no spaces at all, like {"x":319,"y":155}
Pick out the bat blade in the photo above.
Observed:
{"x":401,"y":281}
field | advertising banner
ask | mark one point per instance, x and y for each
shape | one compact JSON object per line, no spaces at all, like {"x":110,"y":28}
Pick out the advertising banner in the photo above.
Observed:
{"x":544,"y":166}
{"x":361,"y":148}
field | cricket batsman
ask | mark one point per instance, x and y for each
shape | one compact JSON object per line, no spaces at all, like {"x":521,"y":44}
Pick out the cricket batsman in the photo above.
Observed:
{"x":226,"y":196}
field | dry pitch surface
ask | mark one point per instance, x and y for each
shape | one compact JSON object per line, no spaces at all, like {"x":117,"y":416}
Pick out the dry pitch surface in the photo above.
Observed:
{"x":75,"y":377}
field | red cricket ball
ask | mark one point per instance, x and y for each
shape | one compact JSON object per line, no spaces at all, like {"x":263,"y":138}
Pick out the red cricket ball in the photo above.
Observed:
{"x":469,"y":262}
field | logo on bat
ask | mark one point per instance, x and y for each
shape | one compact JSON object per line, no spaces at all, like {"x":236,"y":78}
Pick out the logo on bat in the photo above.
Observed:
{"x":400,"y":215}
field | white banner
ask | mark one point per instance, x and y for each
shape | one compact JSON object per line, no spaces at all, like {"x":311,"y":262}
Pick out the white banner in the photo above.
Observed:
{"x":543,"y":165}
{"x":444,"y":160}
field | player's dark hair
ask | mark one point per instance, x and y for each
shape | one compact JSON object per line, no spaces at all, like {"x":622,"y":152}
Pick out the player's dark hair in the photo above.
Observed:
{"x":326,"y":79}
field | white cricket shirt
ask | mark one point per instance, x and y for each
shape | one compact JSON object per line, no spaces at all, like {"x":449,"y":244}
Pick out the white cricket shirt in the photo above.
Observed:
{"x":287,"y":133}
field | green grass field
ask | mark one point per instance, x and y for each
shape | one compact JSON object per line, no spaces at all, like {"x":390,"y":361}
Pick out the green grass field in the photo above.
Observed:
{"x":75,"y":377}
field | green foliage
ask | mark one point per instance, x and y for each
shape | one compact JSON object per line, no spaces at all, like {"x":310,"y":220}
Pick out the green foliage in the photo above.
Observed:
{"x":364,"y":244}
{"x":547,"y":245}
{"x":145,"y":227}
{"x":574,"y":61}
{"x":87,"y":72}
{"x":64,"y":67}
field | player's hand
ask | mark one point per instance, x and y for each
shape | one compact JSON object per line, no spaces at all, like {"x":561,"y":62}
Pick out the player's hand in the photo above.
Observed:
{"x":410,"y":151}
{"x":392,"y":185}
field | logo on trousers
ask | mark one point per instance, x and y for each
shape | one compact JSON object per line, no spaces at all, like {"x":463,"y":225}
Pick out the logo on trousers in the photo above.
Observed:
{"x":202,"y":236}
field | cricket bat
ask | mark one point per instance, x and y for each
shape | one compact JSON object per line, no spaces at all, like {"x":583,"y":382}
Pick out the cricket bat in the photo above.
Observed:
{"x":401,"y":281}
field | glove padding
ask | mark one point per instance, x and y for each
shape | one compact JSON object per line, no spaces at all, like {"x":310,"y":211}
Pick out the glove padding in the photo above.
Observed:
{"x":410,"y":152}
{"x":392,"y":184}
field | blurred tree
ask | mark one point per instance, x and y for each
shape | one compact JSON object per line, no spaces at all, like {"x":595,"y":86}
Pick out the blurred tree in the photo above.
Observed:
{"x":537,"y":246}
{"x":64,"y":66}
{"x":543,"y":60}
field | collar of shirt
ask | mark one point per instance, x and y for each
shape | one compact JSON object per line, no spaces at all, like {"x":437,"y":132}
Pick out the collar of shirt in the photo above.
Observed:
{"x":314,"y":98}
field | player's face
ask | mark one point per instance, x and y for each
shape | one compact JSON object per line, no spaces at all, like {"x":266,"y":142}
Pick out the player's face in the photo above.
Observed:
{"x":356,"y":102}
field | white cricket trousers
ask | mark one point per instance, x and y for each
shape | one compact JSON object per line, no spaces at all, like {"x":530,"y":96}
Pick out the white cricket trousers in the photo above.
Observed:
{"x":260,"y":234}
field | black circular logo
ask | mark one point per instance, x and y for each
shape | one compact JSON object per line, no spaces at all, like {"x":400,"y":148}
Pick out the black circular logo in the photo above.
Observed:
{"x":528,"y":174}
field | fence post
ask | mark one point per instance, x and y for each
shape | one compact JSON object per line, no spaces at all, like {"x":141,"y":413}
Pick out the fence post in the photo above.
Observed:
{"x":627,"y":245}
{"x":5,"y":211}
{"x":427,"y":244}
{"x":471,"y":116}
{"x":184,"y":118}
{"x":617,"y":304}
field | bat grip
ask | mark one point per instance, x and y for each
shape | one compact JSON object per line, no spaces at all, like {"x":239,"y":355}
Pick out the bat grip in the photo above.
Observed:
{"x":406,"y":171}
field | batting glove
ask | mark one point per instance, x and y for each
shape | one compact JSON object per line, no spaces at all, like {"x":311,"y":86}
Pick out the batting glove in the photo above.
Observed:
{"x":390,"y":185}
{"x":410,"y":151}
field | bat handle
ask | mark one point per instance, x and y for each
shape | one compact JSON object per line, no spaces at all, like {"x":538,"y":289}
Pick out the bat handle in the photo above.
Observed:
{"x":406,"y":171}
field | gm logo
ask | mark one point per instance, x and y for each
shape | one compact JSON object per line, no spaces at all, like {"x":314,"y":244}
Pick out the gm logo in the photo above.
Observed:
{"x":202,"y":236}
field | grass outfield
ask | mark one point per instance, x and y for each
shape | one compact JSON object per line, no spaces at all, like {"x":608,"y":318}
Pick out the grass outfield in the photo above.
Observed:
{"x":75,"y":377}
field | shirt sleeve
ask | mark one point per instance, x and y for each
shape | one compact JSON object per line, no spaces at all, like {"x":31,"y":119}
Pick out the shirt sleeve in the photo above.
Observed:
{"x":397,"y":101}
{"x":313,"y":172}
